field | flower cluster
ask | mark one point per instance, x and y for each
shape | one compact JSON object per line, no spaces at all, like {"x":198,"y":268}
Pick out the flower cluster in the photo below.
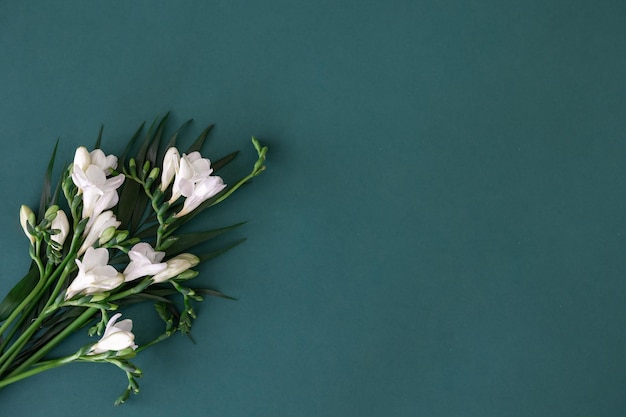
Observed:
{"x":116,"y":242}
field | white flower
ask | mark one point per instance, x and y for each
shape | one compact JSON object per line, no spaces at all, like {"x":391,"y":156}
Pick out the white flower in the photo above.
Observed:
{"x":144,"y":260}
{"x":202,"y":191}
{"x":171,"y":162}
{"x":89,"y":173}
{"x":27,"y":216}
{"x":94,"y":231}
{"x":94,"y":275}
{"x":116,"y":337}
{"x":83,"y":159}
{"x":61,"y":224}
{"x":175,"y":266}
{"x":192,"y":169}
{"x":99,"y":193}
{"x":195,"y":182}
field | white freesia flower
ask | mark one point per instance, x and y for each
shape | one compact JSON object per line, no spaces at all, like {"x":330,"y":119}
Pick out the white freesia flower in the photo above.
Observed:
{"x":99,"y":193}
{"x":116,"y":337}
{"x":62,"y":224}
{"x":94,"y":274}
{"x":94,"y":231}
{"x":192,"y":169}
{"x":202,"y":191}
{"x":27,"y":216}
{"x":171,"y":162}
{"x":144,"y":260}
{"x":193,"y":181}
{"x":89,"y":173}
{"x":83,"y":159}
{"x":175,"y":266}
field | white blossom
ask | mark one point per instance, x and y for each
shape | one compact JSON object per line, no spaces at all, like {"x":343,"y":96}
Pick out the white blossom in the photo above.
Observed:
{"x":62,"y":224}
{"x":195,"y":182}
{"x":94,"y":231}
{"x":117,"y":336}
{"x":94,"y":274}
{"x":89,"y":173}
{"x":171,"y":162}
{"x":83,"y":159}
{"x":27,"y":216}
{"x":192,"y":168}
{"x":144,"y":261}
{"x":175,"y":266}
{"x":202,"y":191}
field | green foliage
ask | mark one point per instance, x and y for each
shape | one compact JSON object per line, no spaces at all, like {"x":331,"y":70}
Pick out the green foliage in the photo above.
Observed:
{"x":36,"y":314}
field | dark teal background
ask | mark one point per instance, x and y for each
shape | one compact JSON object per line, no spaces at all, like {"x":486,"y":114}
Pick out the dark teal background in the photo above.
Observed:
{"x":441,"y":228}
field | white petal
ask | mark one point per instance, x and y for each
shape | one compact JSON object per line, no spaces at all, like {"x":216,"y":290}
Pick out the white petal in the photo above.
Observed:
{"x":186,"y":187}
{"x":96,"y":176}
{"x":94,"y":258}
{"x":115,"y":342}
{"x":82,"y":158}
{"x":204,"y":190}
{"x":171,"y":161}
{"x":185,"y":170}
{"x":114,"y":183}
{"x":176,"y":265}
{"x":62,"y":224}
{"x":102,"y":161}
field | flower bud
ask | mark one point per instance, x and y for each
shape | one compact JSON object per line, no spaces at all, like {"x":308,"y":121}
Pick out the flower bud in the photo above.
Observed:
{"x":62,"y":224}
{"x":175,"y":266}
{"x":97,"y":229}
{"x":154,"y":174}
{"x":145,"y":169}
{"x":171,"y":162}
{"x":121,"y":236}
{"x":51,"y":213}
{"x":82,"y":158}
{"x":132,"y":166}
{"x":107,"y":235}
{"x":27,"y":217}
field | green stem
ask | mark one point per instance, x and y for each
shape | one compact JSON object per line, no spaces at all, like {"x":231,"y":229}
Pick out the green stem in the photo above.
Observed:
{"x":256,"y":170}
{"x":14,"y":350}
{"x":34,"y":371}
{"x":78,"y":323}
{"x":35,"y":292}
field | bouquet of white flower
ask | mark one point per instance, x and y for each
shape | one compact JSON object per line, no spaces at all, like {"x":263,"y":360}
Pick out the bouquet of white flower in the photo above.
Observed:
{"x":107,"y":236}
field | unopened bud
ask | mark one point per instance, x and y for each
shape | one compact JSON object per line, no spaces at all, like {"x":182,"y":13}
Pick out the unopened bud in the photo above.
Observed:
{"x":51,"y":213}
{"x":107,"y":235}
{"x":27,"y":218}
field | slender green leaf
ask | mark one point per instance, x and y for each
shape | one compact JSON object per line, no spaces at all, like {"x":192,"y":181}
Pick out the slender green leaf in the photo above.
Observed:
{"x":210,"y":255}
{"x":199,"y":143}
{"x":153,"y":149}
{"x":148,"y":231}
{"x":187,"y":241}
{"x":138,"y":298}
{"x":128,"y":197}
{"x":46,"y":191}
{"x":18,"y":293}
{"x":172,"y":142}
{"x":57,"y":190}
{"x":129,"y":145}
{"x":99,"y":140}
{"x":140,"y":157}
{"x":222,"y":162}
{"x":141,"y":203}
{"x":53,"y":326}
{"x":214,"y":293}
